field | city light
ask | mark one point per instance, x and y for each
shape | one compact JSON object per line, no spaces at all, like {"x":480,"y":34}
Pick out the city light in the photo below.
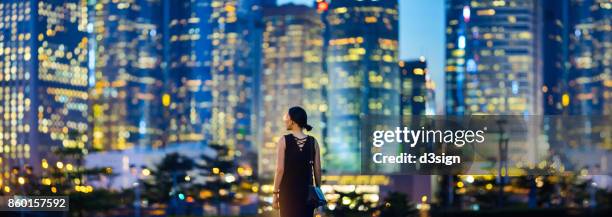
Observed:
{"x":161,"y":108}
{"x":466,"y":13}
{"x":21,"y":180}
{"x":146,"y":172}
{"x":322,"y":6}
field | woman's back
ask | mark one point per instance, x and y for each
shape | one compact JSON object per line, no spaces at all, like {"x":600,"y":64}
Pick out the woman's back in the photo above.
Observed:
{"x":297,"y":176}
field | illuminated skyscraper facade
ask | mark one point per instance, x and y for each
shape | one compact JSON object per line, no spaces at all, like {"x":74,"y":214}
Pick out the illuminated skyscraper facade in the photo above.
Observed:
{"x":232,"y":77}
{"x":127,"y":80}
{"x":211,"y":71}
{"x":577,"y":74}
{"x":364,"y":82}
{"x":493,"y":67}
{"x":492,"y":57}
{"x":413,"y":88}
{"x":189,"y":89}
{"x":576,"y":51}
{"x":43,"y":80}
{"x":555,"y":55}
{"x":292,"y":75}
{"x":590,"y":48}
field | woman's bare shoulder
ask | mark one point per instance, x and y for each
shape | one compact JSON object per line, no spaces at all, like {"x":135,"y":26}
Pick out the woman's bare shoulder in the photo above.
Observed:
{"x":281,"y":141}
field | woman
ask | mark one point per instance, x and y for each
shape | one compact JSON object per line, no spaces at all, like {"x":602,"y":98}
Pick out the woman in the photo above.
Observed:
{"x":293,"y":169}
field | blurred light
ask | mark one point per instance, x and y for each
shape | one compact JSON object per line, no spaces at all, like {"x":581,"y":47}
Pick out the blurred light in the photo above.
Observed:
{"x":418,"y":71}
{"x":46,"y":181}
{"x":230,"y":178}
{"x":460,"y":184}
{"x":146,"y":172}
{"x":471,"y":65}
{"x":59,"y":164}
{"x":322,"y":6}
{"x":469,"y":179}
{"x":461,"y":42}
{"x":223,"y":192}
{"x":341,"y":10}
{"x":489,"y":186}
{"x":331,"y":206}
{"x":466,"y":13}
{"x":215,"y":170}
{"x":204,"y":194}
{"x":45,"y":165}
{"x":21,"y":180}
{"x":181,"y":196}
{"x":346,"y":200}
{"x":166,"y":100}
{"x":424,"y":199}
{"x":475,"y":207}
{"x":187,"y":178}
{"x":565,"y":100}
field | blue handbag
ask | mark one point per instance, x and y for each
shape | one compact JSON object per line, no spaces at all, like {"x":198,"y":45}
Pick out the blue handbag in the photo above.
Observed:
{"x":315,"y":198}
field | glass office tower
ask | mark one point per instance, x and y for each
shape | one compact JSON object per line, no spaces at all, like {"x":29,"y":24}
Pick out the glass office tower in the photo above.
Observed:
{"x":127,"y":80}
{"x":493,"y":67}
{"x":492,"y":57}
{"x":188,"y":95}
{"x":413,"y":88}
{"x":210,"y":67}
{"x":555,"y":55}
{"x":364,"y":85}
{"x":590,"y":48}
{"x":291,"y":76}
{"x":43,"y":82}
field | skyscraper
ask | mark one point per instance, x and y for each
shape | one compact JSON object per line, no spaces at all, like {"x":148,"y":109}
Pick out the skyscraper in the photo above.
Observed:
{"x":555,"y":55}
{"x":590,"y":75}
{"x":43,"y":80}
{"x":364,"y":83}
{"x":413,"y":88}
{"x":127,"y":78}
{"x":578,"y":79}
{"x":576,"y":69}
{"x":187,"y":64}
{"x":211,"y":72}
{"x":232,"y":77}
{"x":494,"y":67}
{"x":492,"y":57}
{"x":292,"y":75}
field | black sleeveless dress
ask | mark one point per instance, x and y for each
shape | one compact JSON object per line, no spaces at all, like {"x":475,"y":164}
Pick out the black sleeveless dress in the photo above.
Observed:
{"x":297,"y":178}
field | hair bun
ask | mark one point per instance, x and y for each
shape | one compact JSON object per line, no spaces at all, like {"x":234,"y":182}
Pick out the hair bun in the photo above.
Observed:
{"x":308,"y":127}
{"x":298,"y":115}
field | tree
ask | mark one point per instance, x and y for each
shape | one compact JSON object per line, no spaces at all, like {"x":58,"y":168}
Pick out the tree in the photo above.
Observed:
{"x":396,"y":204}
{"x":168,"y":178}
{"x":214,"y":169}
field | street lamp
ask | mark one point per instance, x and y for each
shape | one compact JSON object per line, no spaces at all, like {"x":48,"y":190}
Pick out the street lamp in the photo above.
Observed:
{"x":503,"y":159}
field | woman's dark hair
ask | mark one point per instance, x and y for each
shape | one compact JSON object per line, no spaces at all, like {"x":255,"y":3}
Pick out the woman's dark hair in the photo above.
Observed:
{"x":298,"y":115}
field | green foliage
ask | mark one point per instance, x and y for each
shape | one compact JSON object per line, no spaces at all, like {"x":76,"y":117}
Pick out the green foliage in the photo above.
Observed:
{"x":167,"y":176}
{"x":396,"y":204}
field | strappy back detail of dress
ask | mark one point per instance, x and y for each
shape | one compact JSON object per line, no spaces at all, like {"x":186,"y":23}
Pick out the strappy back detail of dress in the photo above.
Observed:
{"x":301,"y":142}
